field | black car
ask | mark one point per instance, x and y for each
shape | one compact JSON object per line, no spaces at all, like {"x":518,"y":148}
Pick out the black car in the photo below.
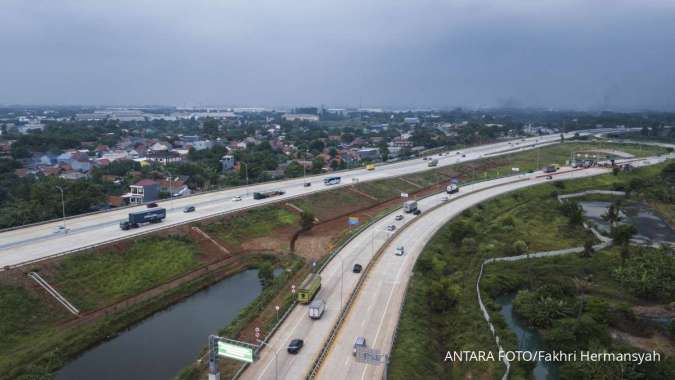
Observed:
{"x":417,"y":212}
{"x":308,"y":184}
{"x":152,"y":205}
{"x":357,"y":268}
{"x":295,"y":346}
{"x":189,"y":209}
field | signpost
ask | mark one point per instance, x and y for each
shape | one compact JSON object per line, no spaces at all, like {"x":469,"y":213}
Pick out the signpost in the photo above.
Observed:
{"x":234,"y":351}
{"x":228,"y":348}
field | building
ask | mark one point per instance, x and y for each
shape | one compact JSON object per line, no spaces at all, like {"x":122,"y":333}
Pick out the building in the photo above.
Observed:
{"x":174,"y":187}
{"x":411,"y":120}
{"x":145,"y":190}
{"x":370,"y":154}
{"x":163,"y":156}
{"x":227,"y":163}
{"x":300,"y":117}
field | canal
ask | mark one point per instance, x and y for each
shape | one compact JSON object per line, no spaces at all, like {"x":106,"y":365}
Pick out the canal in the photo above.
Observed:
{"x":160,"y":346}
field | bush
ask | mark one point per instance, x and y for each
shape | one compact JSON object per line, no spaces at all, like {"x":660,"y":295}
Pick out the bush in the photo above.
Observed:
{"x":649,"y":274}
{"x":443,"y":295}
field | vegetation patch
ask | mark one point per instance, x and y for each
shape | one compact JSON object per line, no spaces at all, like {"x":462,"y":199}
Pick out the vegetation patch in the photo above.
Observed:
{"x":252,"y":224}
{"x":93,"y":280}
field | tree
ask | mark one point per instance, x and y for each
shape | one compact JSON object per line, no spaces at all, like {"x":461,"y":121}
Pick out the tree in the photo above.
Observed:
{"x":443,"y":295}
{"x":621,"y":236}
{"x":384,"y":151}
{"x":265,"y":274}
{"x":294,"y":170}
{"x":573,"y":211}
{"x":588,"y":248}
{"x":306,"y":221}
{"x":613,"y":214}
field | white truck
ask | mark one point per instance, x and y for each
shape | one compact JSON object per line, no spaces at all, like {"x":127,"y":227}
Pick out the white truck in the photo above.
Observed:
{"x":410,"y":206}
{"x":452,"y":188}
{"x":316,"y":308}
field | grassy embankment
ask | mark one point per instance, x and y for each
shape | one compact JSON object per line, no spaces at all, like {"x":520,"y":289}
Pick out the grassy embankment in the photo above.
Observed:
{"x":441,"y":311}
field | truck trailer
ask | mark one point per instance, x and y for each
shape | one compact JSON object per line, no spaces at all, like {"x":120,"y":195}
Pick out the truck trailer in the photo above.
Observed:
{"x":316,"y":308}
{"x":136,"y":219}
{"x":410,"y":206}
{"x":267,"y":194}
{"x":452,"y":188}
{"x":309,"y":288}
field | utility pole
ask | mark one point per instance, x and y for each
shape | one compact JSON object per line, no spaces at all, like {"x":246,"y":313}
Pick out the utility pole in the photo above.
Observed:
{"x":63,"y":209}
{"x":170,"y":189}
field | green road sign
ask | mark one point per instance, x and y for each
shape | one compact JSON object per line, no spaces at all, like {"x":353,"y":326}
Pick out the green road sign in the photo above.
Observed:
{"x":234,"y":351}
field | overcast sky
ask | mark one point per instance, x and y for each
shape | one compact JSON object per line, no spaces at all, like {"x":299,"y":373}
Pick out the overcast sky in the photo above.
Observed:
{"x":586,"y":54}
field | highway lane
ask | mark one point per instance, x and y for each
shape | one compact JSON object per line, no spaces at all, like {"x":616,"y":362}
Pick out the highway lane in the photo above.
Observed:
{"x":375,"y":313}
{"x":337,"y":279}
{"x":40,"y":241}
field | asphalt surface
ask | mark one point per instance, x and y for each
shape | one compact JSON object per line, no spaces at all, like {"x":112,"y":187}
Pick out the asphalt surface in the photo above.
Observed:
{"x":375,"y":313}
{"x":41,"y":241}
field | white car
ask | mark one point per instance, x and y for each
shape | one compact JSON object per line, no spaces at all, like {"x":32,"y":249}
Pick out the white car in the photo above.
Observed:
{"x":236,"y":199}
{"x":399,"y":251}
{"x":398,"y":217}
{"x":60,"y":230}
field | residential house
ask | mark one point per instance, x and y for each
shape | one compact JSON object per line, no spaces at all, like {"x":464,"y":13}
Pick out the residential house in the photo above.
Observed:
{"x":163,"y":156}
{"x":227,"y":162}
{"x":370,"y":154}
{"x":175,"y":187}
{"x":143,"y":191}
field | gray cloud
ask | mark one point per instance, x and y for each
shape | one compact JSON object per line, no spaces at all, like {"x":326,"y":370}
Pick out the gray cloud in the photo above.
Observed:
{"x":556,"y":53}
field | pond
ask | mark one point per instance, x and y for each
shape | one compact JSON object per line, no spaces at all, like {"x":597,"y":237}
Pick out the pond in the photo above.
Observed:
{"x":652,"y":229}
{"x":160,"y":346}
{"x":528,"y":338}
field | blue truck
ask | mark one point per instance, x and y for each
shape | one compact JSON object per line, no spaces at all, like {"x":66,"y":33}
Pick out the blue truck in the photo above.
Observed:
{"x":154,"y":215}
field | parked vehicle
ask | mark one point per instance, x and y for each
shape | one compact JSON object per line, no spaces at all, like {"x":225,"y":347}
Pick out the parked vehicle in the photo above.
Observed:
{"x":400,"y":251}
{"x":309,"y":287}
{"x":331,"y":181}
{"x":357,"y":268}
{"x":358,"y":343}
{"x":316,"y":309}
{"x":189,"y":209}
{"x":398,"y":217}
{"x":267,"y":194}
{"x":152,"y":205}
{"x":410,"y":206}
{"x":136,"y":219}
{"x":295,"y":346}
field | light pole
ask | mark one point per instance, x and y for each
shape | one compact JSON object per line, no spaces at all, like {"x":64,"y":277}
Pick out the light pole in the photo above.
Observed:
{"x":277,"y":309}
{"x":63,"y":209}
{"x":246,"y":169}
{"x":170,"y":189}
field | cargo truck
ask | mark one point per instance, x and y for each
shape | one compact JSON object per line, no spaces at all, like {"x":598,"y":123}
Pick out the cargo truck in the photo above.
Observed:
{"x":452,"y":188}
{"x":309,"y":288}
{"x":267,"y":194}
{"x":316,"y":309}
{"x":410,"y":206}
{"x":433,"y":163}
{"x":136,"y":219}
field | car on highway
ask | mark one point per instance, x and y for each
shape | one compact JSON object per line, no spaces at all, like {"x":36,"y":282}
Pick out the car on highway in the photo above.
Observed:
{"x":417,"y":212}
{"x":295,"y":346}
{"x":360,"y":342}
{"x":60,"y":229}
{"x":357,"y":268}
{"x":152,"y":205}
{"x":236,"y":199}
{"x":307,"y":184}
{"x":549,"y":177}
{"x":391,"y":227}
{"x":398,"y":217}
{"x":189,"y":209}
{"x":464,"y":155}
{"x":400,"y":251}
{"x":445,"y":199}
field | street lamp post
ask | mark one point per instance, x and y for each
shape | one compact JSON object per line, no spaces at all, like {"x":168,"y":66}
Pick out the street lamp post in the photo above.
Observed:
{"x":63,"y":209}
{"x":170,"y":189}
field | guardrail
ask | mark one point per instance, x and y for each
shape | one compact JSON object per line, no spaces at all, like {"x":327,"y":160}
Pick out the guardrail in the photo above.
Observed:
{"x":345,"y":311}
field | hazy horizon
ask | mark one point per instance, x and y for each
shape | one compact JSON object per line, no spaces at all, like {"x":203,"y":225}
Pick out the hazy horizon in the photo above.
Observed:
{"x":559,"y":54}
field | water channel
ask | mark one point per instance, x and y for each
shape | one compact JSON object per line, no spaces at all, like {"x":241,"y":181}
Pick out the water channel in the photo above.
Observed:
{"x":160,"y":346}
{"x":528,"y":338}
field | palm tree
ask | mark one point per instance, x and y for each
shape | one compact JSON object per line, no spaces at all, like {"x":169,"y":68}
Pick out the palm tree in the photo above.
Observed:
{"x":613,"y":215}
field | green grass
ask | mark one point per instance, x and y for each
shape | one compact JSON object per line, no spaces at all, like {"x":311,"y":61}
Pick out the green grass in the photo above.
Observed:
{"x":328,"y":204}
{"x":386,"y":189}
{"x":94,"y":280}
{"x":253,"y":223}
{"x":530,"y":215}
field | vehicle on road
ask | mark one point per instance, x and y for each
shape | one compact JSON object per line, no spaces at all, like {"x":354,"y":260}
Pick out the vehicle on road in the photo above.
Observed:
{"x":309,"y":287}
{"x":316,"y":308}
{"x":549,"y":177}
{"x":464,"y":155}
{"x":136,"y":219}
{"x":445,"y":199}
{"x":452,"y":188}
{"x":236,"y":198}
{"x":432,"y":163}
{"x":398,"y":217}
{"x":60,"y":229}
{"x":331,"y":181}
{"x":189,"y":209}
{"x":152,"y":205}
{"x":410,"y":206}
{"x":551,"y":168}
{"x":295,"y":346}
{"x":360,"y":342}
{"x":370,"y":167}
{"x":357,"y":268}
{"x":391,"y":227}
{"x":267,"y":194}
{"x":417,"y":212}
{"x":400,"y":251}
{"x":307,"y":184}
